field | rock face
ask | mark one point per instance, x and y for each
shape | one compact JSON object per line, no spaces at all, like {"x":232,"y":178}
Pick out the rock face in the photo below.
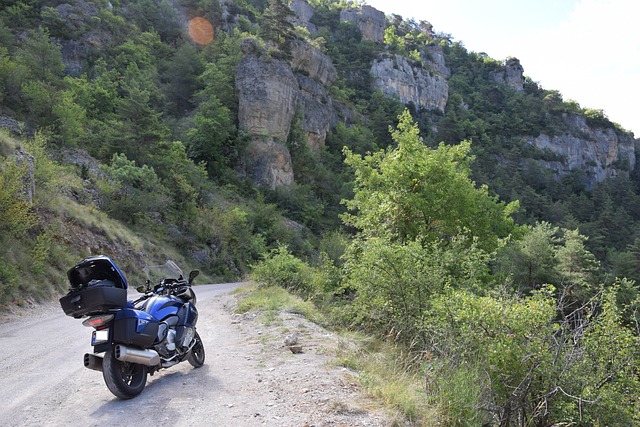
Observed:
{"x":12,"y":125}
{"x":267,"y":93}
{"x":77,"y":17}
{"x":304,"y":12}
{"x":512,"y":74}
{"x":267,"y":90}
{"x":395,"y":76}
{"x":269,"y":163}
{"x":434,"y":58}
{"x":309,"y":60}
{"x":315,"y":74}
{"x":317,"y":111}
{"x":270,"y":91}
{"x":600,"y":153}
{"x":370,"y":21}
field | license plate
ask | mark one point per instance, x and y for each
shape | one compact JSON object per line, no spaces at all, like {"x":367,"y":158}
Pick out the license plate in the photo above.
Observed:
{"x":99,"y":337}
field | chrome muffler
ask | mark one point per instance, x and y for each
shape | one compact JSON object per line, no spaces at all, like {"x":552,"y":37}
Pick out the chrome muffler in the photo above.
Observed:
{"x":136,"y":355}
{"x":91,"y":361}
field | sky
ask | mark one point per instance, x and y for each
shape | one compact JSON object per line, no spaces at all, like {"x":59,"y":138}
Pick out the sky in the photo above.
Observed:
{"x":588,"y":50}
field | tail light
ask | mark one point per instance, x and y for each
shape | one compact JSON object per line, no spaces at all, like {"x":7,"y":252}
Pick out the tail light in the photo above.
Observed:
{"x":98,"y":322}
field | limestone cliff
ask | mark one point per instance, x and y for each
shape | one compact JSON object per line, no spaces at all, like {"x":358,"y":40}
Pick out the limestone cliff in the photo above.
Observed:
{"x":512,"y":74}
{"x":315,"y":73}
{"x":272,"y":91}
{"x":304,"y":12}
{"x":600,"y":153}
{"x":370,"y":21}
{"x":394,"y":75}
{"x":267,"y":93}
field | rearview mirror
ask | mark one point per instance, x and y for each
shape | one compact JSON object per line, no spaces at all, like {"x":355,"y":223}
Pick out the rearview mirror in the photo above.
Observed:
{"x":193,"y":275}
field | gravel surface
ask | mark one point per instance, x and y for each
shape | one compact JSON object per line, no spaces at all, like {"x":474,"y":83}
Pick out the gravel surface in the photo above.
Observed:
{"x":254,"y":375}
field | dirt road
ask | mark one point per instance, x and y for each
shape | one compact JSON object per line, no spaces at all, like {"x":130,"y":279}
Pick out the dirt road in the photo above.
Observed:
{"x":249,"y":378}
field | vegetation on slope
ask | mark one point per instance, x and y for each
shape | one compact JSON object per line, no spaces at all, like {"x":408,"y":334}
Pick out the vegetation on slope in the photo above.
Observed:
{"x":510,"y":316}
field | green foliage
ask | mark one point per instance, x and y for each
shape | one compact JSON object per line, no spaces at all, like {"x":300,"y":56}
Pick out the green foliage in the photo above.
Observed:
{"x":534,"y":361}
{"x":16,"y":216}
{"x":412,"y":192}
{"x":395,"y":282}
{"x":273,"y":300}
{"x":12,"y":75}
{"x":41,"y":57}
{"x":607,"y":369}
{"x":282,"y":269}
{"x":531,"y":262}
{"x":209,"y":140}
{"x":179,"y":78}
{"x":50,"y":178}
{"x":138,"y":194}
{"x":275,"y":26}
{"x":395,"y":42}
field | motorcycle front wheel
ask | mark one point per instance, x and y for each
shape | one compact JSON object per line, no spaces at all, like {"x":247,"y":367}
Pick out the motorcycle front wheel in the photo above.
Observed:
{"x":124,"y":379}
{"x":196,"y":355}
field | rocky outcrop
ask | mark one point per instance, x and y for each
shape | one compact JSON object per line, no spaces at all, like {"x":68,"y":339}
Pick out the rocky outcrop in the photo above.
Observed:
{"x":433,"y":57}
{"x":315,"y":72}
{"x":11,"y":124}
{"x":267,"y":94}
{"x":269,"y":162}
{"x":304,"y":12}
{"x":311,"y":61}
{"x":395,"y":76}
{"x":600,"y":153}
{"x":77,"y":17}
{"x":512,"y":74}
{"x":370,"y":21}
{"x":317,"y":111}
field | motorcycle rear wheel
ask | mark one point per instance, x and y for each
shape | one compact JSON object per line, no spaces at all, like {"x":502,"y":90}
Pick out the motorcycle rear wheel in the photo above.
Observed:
{"x":196,"y":355}
{"x":124,"y":379}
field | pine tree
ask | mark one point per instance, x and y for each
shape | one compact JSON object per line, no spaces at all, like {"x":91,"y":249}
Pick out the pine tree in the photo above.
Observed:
{"x":276,"y":27}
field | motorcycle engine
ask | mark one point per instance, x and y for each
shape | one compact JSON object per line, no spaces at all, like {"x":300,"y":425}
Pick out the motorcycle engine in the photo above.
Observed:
{"x":189,"y":333}
{"x":167,"y":346}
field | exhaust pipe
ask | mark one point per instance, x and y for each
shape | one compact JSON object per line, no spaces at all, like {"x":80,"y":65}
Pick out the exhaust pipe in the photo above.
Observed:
{"x":91,"y":361}
{"x":136,"y":355}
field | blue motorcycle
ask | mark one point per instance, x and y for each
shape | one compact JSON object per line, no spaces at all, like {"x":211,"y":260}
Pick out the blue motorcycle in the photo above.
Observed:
{"x":134,"y":338}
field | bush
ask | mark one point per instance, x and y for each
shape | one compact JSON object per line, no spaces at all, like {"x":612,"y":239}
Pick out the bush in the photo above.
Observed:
{"x":280,"y":268}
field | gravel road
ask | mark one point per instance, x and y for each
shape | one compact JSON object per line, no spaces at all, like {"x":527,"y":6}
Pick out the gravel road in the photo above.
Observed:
{"x":250,"y":378}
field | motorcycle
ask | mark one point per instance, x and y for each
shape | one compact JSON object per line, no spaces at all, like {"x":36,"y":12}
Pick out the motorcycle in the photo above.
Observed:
{"x":133,"y":339}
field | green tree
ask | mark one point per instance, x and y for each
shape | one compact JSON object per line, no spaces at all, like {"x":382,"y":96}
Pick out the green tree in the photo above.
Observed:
{"x":41,"y":57}
{"x":180,"y":79}
{"x":12,"y":76}
{"x":139,"y":126}
{"x":135,"y":193}
{"x":412,"y":192}
{"x":210,"y":139}
{"x":577,"y":266}
{"x":531,"y":262}
{"x":276,"y":27}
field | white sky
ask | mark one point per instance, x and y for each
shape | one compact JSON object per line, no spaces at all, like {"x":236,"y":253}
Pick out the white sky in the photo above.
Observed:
{"x":589,"y":50}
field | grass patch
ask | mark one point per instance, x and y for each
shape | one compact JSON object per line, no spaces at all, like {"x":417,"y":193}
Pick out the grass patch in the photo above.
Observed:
{"x":388,"y":375}
{"x":272,"y":300}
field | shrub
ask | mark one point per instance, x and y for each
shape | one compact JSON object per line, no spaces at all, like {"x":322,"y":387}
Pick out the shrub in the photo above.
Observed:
{"x":280,"y":268}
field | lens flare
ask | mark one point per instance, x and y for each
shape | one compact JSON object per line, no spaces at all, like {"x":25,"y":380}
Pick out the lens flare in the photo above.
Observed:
{"x":201,"y":30}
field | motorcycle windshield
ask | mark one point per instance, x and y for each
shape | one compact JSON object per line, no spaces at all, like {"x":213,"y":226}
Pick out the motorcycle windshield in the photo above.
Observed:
{"x":168,"y":270}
